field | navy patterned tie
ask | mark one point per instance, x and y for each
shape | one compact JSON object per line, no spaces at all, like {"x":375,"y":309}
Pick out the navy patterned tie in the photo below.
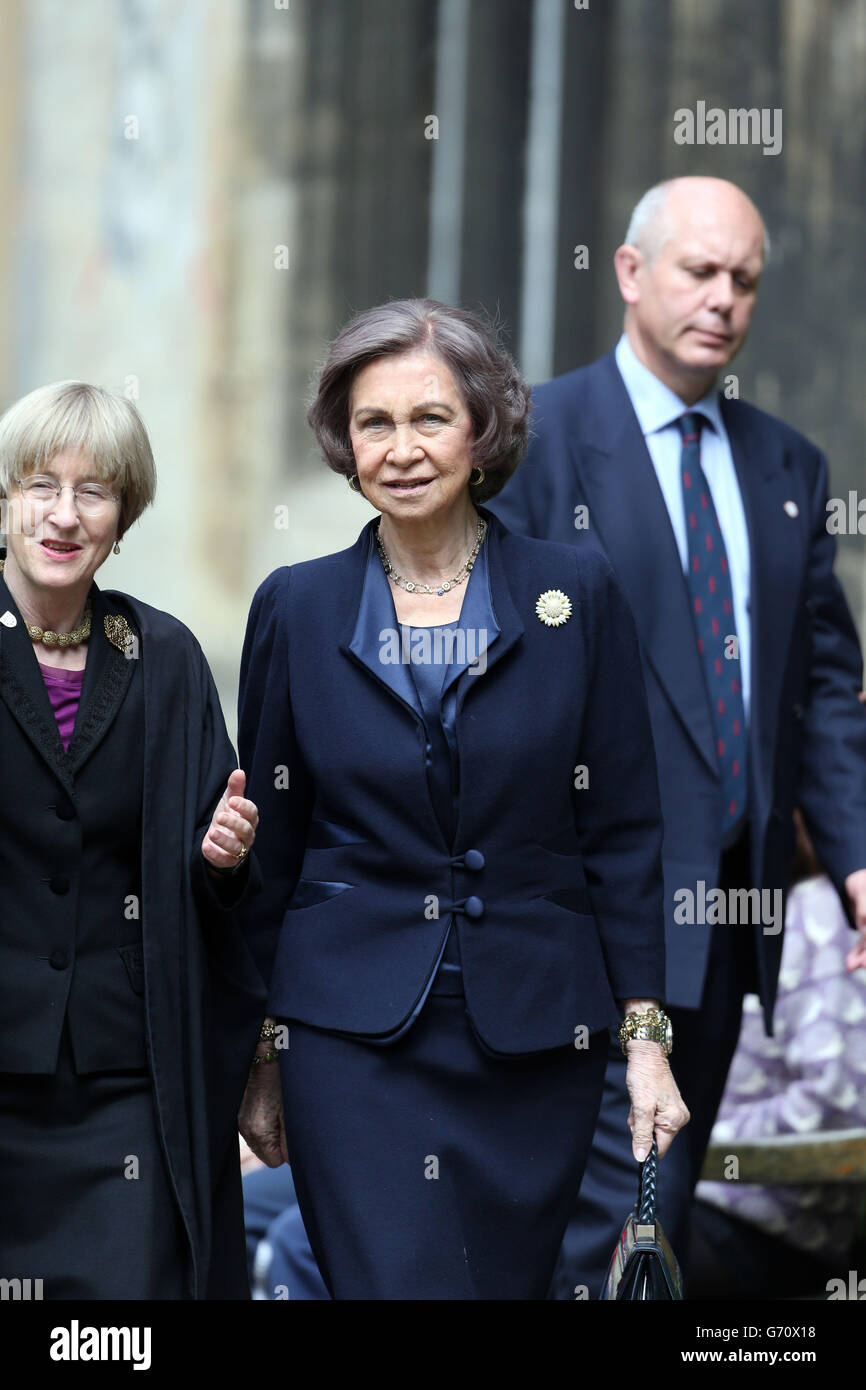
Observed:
{"x":709,"y":582}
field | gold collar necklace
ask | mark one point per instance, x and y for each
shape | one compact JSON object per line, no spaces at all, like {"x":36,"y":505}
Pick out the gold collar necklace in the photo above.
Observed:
{"x":412,"y":586}
{"x":60,"y":639}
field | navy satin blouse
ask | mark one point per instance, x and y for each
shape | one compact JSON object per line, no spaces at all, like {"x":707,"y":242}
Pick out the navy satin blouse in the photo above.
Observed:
{"x":422,"y":666}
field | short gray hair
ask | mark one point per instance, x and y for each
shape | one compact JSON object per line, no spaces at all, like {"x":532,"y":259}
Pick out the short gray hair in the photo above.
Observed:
{"x":72,"y":415}
{"x":649,"y":228}
{"x":497,"y":397}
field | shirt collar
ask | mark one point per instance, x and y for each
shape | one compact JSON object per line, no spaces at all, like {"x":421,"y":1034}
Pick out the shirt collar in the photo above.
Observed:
{"x":656,"y":405}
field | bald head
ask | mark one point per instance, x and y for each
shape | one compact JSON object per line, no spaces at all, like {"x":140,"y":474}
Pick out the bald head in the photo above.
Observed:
{"x":663,"y":207}
{"x":688,"y":273}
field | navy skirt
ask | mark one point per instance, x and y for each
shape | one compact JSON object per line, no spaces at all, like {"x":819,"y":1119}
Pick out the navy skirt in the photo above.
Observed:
{"x":430,"y":1169}
{"x":85,"y":1201}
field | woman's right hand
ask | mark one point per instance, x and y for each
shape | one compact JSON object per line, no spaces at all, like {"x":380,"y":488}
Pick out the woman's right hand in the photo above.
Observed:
{"x":260,"y":1118}
{"x":657,"y":1108}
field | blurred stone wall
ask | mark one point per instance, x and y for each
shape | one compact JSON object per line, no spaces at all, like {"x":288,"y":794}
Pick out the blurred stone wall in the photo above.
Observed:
{"x":198,"y":195}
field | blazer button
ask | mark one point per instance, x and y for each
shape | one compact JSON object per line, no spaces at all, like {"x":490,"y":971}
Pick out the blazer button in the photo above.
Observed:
{"x":59,"y":884}
{"x":473,"y":860}
{"x":65,"y":809}
{"x":474,"y":908}
{"x":799,"y":711}
{"x":58,"y":960}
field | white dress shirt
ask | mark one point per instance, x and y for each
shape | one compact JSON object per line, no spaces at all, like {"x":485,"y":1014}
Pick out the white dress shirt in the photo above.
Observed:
{"x":658,"y":409}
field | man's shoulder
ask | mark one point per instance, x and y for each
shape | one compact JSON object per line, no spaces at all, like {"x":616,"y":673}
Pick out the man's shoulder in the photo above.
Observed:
{"x":568,"y":397}
{"x":576,"y":403}
{"x":749,"y":418}
{"x":600,"y":373}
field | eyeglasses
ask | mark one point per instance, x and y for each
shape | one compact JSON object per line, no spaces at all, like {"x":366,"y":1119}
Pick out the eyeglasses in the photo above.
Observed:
{"x":91,"y":499}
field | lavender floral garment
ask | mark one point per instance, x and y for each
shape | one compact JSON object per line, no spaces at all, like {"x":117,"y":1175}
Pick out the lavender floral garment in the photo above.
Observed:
{"x":811,"y":1076}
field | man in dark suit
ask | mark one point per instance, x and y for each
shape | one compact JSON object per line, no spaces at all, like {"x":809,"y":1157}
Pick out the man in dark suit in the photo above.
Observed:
{"x":713,"y":516}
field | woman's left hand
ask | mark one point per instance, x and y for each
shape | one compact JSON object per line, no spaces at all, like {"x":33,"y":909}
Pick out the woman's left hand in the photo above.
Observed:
{"x":656,"y":1104}
{"x":233,"y":828}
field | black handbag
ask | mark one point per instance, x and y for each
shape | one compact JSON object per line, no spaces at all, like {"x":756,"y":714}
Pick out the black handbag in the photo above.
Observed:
{"x":643,"y":1265}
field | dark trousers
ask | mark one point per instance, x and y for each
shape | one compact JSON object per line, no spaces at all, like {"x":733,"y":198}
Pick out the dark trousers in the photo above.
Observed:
{"x":704,"y":1043}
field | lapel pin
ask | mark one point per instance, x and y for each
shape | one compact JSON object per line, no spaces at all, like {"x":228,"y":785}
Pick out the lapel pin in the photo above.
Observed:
{"x":9,"y":619}
{"x":553,"y":607}
{"x":120,"y":635}
{"x":791,"y":508}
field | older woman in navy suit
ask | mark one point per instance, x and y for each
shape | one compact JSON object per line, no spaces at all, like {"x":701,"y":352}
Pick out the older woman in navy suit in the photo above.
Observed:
{"x":446,"y":731}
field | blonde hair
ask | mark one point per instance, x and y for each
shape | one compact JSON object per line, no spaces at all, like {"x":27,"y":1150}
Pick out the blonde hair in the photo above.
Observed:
{"x":72,"y":415}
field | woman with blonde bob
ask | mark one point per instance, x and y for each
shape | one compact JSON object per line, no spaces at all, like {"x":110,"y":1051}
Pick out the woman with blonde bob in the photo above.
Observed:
{"x":128,"y":1002}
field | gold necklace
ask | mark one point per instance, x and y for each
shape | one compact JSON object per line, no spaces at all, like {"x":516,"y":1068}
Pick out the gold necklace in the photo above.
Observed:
{"x":413,"y":587}
{"x":60,"y":639}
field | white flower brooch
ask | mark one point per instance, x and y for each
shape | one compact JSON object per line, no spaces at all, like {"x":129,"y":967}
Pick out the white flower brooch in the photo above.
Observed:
{"x":553,"y":608}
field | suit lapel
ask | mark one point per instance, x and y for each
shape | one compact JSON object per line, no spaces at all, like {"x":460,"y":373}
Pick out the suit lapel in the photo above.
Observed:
{"x":777,"y":546}
{"x":374,"y":617}
{"x":506,"y":615}
{"x":23,"y":690}
{"x":376,"y":611}
{"x":625,"y":502}
{"x":106,"y":680}
{"x":107,"y":676}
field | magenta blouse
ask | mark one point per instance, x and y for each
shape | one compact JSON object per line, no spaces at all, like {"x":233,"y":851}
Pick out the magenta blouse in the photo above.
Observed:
{"x":64,"y":692}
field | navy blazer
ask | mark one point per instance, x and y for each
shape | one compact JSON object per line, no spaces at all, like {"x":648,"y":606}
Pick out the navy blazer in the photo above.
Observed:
{"x":807,"y":731}
{"x":558,"y":912}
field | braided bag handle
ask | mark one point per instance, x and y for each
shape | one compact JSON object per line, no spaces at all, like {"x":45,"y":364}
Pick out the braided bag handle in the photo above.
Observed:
{"x":648,"y":1183}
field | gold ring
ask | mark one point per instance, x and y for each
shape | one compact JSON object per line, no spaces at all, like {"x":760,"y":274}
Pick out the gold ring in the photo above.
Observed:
{"x":242,"y":853}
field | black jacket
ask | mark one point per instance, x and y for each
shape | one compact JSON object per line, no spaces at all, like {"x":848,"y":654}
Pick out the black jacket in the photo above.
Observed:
{"x":146,"y":766}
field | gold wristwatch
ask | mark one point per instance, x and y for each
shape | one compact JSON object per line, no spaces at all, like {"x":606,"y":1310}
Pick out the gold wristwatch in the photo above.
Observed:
{"x":653,"y":1026}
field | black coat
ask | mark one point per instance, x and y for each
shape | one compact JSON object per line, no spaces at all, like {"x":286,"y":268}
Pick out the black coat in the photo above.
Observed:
{"x":203,"y":997}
